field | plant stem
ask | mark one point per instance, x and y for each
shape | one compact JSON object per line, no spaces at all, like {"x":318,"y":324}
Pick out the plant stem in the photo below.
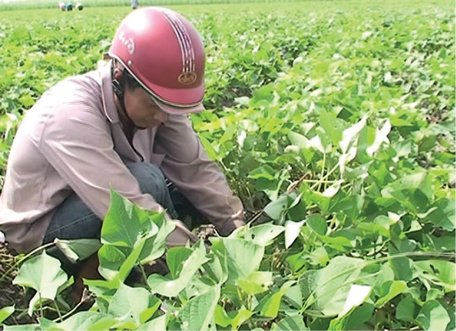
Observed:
{"x":68,"y":314}
{"x":41,"y":307}
{"x":256,"y":216}
{"x":143,"y":272}
{"x":15,"y":265}
{"x":58,"y":311}
{"x":322,"y":172}
{"x":325,"y":177}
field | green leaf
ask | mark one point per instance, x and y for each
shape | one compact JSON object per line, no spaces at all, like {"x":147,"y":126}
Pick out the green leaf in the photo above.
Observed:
{"x":323,"y":200}
{"x":290,"y":323}
{"x":263,"y":234}
{"x":356,"y":296}
{"x":28,"y":327}
{"x":198,"y":313}
{"x":271,"y":304}
{"x":111,"y":259}
{"x":265,"y":172}
{"x":142,"y":242}
{"x":86,"y":320}
{"x":353,"y":320}
{"x":380,"y":226}
{"x":157,"y":324}
{"x":107,"y":323}
{"x":332,"y":284}
{"x":442,"y":273}
{"x":292,"y":231}
{"x":442,"y":213}
{"x":331,"y":125}
{"x":5,"y":312}
{"x":298,"y":209}
{"x":175,"y":258}
{"x":135,"y":304}
{"x":339,"y":241}
{"x":123,"y":266}
{"x":155,"y":245}
{"x":236,"y":251}
{"x":216,"y":267}
{"x":276,"y":209}
{"x":263,"y":94}
{"x":256,"y":282}
{"x":390,"y":290}
{"x":209,"y":148}
{"x":385,"y":275}
{"x":296,"y":261}
{"x":298,"y":139}
{"x":171,"y":288}
{"x":78,"y":249}
{"x":381,"y":137}
{"x":305,"y":144}
{"x":406,"y":309}
{"x":402,"y":188}
{"x":121,"y":225}
{"x":242,"y":315}
{"x":43,"y":274}
{"x":221,"y":317}
{"x":271,"y":187}
{"x":46,"y":324}
{"x":350,"y":135}
{"x":317,"y":223}
{"x":402,"y":267}
{"x":433,"y":316}
{"x":319,"y":256}
{"x":307,"y":285}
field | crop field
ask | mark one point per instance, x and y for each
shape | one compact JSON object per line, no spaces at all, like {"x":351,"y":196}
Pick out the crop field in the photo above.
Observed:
{"x":333,"y":121}
{"x":39,"y":4}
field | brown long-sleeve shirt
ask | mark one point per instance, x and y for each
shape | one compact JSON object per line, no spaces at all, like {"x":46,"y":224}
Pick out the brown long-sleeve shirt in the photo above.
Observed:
{"x":72,"y":141}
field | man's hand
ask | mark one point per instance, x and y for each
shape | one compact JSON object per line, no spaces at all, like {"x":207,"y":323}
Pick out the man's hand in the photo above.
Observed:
{"x":180,"y":235}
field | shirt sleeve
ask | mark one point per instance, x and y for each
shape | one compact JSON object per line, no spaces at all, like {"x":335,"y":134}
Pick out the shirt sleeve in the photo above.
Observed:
{"x":201,"y":181}
{"x":76,"y":141}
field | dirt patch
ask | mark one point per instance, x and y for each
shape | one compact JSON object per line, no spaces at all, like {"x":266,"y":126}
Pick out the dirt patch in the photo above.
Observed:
{"x":11,"y":294}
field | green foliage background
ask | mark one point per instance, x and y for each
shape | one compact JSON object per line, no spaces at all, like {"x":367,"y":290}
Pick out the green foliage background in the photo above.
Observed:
{"x":334,"y":123}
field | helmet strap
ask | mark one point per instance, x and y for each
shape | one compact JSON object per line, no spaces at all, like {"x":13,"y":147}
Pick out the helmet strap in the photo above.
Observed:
{"x":117,"y":88}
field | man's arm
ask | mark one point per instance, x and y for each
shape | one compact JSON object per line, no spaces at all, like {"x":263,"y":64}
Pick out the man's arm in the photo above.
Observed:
{"x":77,"y":143}
{"x":187,"y":165}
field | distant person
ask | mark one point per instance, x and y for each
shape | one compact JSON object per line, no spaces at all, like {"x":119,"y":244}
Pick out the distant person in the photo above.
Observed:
{"x":134,"y":4}
{"x":124,"y":127}
{"x":66,"y":6}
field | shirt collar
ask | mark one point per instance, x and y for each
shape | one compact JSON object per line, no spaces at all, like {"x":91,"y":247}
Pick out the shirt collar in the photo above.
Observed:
{"x":107,"y":93}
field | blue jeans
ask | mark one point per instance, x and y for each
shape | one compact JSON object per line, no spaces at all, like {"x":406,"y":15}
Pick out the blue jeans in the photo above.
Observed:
{"x":74,"y":220}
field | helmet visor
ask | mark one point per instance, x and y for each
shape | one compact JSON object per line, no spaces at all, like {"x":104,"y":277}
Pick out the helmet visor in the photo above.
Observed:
{"x":177,"y":110}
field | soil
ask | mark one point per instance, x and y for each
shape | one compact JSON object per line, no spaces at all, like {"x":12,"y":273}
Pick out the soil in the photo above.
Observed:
{"x":11,"y":294}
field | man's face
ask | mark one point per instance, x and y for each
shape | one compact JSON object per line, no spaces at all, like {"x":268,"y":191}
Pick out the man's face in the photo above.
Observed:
{"x":142,"y":110}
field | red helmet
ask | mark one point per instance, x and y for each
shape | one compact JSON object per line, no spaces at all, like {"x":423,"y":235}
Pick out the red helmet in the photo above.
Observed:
{"x":164,"y":53}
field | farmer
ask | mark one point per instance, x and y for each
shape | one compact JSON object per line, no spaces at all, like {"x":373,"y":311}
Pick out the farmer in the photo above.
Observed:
{"x":124,"y":127}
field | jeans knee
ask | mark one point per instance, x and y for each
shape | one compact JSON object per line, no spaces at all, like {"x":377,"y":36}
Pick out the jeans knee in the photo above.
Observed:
{"x":151,"y":181}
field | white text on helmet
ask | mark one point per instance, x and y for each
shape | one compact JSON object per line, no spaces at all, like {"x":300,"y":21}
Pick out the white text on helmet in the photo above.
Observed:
{"x":128,"y":42}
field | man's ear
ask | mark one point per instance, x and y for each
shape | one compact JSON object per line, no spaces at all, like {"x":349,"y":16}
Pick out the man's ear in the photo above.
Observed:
{"x":117,"y":87}
{"x":117,"y":73}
